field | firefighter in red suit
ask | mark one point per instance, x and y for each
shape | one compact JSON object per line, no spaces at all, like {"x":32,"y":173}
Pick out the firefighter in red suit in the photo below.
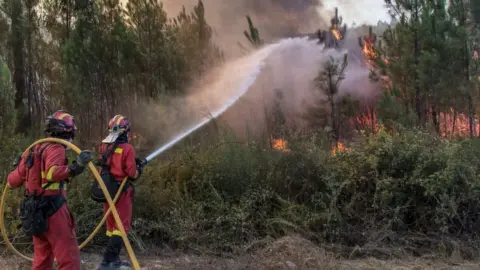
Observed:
{"x":122,"y":162}
{"x":45,"y":169}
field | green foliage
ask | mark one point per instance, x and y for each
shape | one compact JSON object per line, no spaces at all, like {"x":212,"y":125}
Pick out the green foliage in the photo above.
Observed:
{"x":8,"y":138}
{"x":475,"y":8}
{"x":229,"y":195}
{"x":6,"y":99}
{"x":414,"y":54}
{"x":94,"y":58}
{"x":392,"y":113}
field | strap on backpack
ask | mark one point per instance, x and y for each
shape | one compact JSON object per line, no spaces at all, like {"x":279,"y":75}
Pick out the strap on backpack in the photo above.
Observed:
{"x":29,"y":161}
{"x":43,"y":169}
{"x":105,"y":156}
{"x":105,"y":166}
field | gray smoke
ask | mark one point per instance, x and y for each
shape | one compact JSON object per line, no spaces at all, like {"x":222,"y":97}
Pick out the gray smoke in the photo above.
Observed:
{"x":291,"y":71}
{"x":273,"y":18}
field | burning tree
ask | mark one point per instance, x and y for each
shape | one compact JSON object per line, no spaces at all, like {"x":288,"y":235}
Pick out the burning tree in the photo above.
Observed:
{"x":419,"y":56}
{"x":335,"y":24}
{"x":335,"y":34}
{"x":367,"y":44}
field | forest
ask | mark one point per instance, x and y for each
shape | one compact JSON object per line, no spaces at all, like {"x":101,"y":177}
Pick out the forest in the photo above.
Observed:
{"x":398,"y":174}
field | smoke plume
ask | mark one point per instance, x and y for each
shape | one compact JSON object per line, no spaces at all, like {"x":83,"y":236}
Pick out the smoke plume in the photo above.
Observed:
{"x":274,"y":19}
{"x":288,"y":68}
{"x":291,"y":70}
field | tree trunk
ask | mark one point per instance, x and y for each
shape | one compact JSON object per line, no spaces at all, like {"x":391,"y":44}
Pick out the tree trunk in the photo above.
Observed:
{"x":373,"y":120}
{"x":19,"y":69}
{"x":416,"y":48}
{"x":445,"y":127}
{"x":471,"y":113}
{"x":454,"y":122}
{"x":435,"y":119}
{"x":334,"y":109}
{"x":29,"y":61}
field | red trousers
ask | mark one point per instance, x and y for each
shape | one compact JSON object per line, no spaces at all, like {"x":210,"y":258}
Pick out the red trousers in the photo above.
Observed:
{"x":124,"y":209}
{"x":60,"y":243}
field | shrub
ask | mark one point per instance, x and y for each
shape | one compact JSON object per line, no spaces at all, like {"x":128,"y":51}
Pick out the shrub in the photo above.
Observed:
{"x":233,"y":194}
{"x":224,"y":197}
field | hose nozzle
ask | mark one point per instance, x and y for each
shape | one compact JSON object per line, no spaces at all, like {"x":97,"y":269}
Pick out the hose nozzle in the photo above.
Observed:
{"x":140,"y":161}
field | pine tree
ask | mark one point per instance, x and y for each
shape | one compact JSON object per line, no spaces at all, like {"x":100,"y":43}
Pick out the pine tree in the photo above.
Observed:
{"x":4,"y":31}
{"x":17,"y":46}
{"x":332,"y":110}
{"x":8,"y":138}
{"x":435,"y":51}
{"x":475,"y":9}
{"x":408,"y":13}
{"x":7,"y":112}
{"x":159,"y":63}
{"x":463,"y":46}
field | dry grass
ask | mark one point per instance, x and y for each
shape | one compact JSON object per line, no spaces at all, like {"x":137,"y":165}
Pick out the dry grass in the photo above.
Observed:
{"x":284,"y":254}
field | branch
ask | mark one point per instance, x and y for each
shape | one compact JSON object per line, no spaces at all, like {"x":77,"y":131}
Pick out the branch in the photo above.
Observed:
{"x":341,"y":74}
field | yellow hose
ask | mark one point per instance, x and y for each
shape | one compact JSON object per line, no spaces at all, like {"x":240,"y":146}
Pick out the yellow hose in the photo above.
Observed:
{"x":100,"y":224}
{"x":111,"y":204}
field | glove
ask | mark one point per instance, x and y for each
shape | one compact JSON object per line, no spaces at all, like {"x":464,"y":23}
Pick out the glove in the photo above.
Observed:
{"x":140,"y":163}
{"x":139,"y":169}
{"x":17,"y":159}
{"x":84,"y":158}
{"x":78,"y":166}
{"x":75,"y":169}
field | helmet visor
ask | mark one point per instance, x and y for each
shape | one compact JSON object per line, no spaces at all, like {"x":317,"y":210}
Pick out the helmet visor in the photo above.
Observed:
{"x":112,"y":137}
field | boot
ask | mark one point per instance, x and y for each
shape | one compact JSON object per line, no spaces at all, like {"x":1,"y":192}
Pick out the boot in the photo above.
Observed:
{"x":115,"y":262}
{"x":104,"y":265}
{"x":111,"y":253}
{"x":120,"y":265}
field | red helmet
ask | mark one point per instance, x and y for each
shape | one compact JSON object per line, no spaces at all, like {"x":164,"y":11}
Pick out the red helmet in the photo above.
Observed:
{"x":61,"y":125}
{"x":119,"y":123}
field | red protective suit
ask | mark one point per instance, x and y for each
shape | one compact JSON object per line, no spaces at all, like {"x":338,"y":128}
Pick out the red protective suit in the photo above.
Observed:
{"x":60,"y":242}
{"x":122,"y":164}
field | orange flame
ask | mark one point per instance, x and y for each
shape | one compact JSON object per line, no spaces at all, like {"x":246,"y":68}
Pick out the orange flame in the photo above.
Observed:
{"x":450,"y":123}
{"x":367,"y":121}
{"x":456,"y":124}
{"x":339,"y":147}
{"x":336,"y":34}
{"x":368,"y":50}
{"x":280,"y":144}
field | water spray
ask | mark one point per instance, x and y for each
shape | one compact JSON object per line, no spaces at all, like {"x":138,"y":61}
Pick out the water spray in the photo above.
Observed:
{"x":253,"y":65}
{"x":247,"y":82}
{"x":243,"y":89}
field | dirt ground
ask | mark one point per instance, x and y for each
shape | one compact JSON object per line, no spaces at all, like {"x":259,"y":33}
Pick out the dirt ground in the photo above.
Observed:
{"x":284,"y":254}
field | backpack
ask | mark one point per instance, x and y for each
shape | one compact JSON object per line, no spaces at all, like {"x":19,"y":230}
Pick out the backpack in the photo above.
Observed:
{"x":35,"y":209}
{"x":110,"y":182}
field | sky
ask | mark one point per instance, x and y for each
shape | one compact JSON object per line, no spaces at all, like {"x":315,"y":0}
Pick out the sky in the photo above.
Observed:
{"x":360,"y":11}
